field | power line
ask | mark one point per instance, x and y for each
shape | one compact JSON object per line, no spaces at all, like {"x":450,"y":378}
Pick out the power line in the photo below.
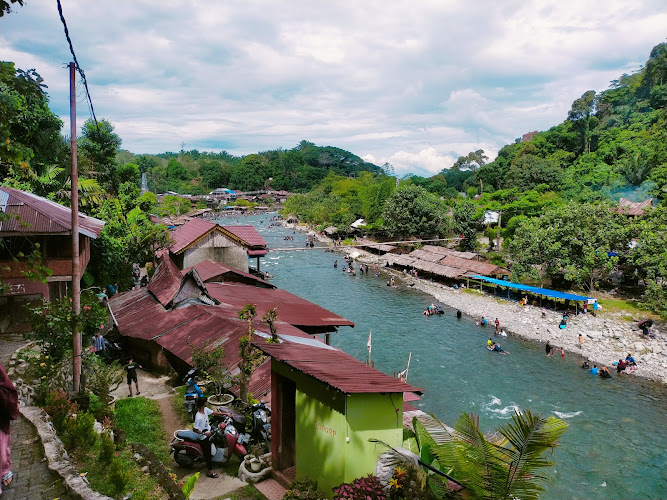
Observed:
{"x":76,"y":63}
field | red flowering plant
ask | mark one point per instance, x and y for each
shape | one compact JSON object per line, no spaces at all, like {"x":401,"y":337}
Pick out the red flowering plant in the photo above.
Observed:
{"x":52,"y":323}
{"x":368,"y":488}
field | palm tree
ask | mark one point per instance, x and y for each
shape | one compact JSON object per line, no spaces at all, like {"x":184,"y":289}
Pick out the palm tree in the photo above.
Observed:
{"x":506,"y":464}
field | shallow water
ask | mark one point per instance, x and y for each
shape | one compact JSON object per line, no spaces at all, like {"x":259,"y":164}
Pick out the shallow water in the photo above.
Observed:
{"x":617,"y":433}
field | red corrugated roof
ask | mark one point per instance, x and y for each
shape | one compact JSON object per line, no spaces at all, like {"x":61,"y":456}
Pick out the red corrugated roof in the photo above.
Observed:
{"x":37,"y":215}
{"x":247,"y":234}
{"x":291,"y":309}
{"x":166,"y":281}
{"x":189,"y":233}
{"x":210,"y":269}
{"x":335,"y":368}
{"x":257,"y":253}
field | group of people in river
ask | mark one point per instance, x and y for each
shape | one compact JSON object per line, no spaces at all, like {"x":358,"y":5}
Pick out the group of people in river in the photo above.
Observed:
{"x":433,"y":309}
{"x":349,"y":267}
{"x":627,"y":365}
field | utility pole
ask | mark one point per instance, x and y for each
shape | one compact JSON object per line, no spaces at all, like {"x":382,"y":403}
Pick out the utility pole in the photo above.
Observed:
{"x":76,"y":278}
{"x":500,"y":216}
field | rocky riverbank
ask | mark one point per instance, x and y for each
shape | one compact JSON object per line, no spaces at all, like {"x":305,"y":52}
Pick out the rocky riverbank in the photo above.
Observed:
{"x":607,"y":337}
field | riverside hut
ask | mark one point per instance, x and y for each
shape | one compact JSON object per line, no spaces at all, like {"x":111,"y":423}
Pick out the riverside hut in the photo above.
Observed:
{"x":326,"y":405}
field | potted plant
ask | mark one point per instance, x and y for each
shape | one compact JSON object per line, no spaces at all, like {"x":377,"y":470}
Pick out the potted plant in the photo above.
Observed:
{"x":209,"y":361}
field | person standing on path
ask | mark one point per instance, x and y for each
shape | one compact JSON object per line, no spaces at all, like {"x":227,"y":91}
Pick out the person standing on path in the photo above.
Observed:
{"x":9,"y":410}
{"x":131,"y":369}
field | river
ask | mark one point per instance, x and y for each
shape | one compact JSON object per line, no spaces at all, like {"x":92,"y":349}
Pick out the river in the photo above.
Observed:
{"x":616,"y":443}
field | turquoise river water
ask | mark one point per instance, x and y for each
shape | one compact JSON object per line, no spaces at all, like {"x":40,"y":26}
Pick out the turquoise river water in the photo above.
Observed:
{"x":616,"y":443}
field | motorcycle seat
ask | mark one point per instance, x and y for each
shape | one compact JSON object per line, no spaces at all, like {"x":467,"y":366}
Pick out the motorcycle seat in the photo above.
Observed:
{"x":186,"y":435}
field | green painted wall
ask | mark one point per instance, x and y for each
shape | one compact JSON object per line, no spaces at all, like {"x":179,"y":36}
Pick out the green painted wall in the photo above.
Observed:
{"x":371,"y":416}
{"x":325,"y":418}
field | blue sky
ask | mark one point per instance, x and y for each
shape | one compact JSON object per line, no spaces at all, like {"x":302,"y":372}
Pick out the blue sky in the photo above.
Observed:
{"x":413,"y":83}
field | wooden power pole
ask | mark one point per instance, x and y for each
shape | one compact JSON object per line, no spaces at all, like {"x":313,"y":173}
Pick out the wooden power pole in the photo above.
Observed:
{"x":76,"y":271}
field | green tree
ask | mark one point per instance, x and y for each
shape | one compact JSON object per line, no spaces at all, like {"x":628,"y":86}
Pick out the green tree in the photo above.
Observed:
{"x":466,"y":222}
{"x":574,"y":241}
{"x":98,"y":146}
{"x":508,"y":464}
{"x":413,"y":211}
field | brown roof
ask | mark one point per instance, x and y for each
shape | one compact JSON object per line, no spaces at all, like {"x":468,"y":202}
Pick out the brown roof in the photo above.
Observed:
{"x":247,"y":235}
{"x":440,"y":270}
{"x":425,"y":255}
{"x":334,"y":367}
{"x":37,"y":215}
{"x":291,"y":309}
{"x":475,"y":266}
{"x":383,"y":247}
{"x":401,"y":260}
{"x":189,"y":233}
{"x":210,"y":271}
{"x":166,"y":281}
{"x":627,"y":207}
{"x":448,"y":251}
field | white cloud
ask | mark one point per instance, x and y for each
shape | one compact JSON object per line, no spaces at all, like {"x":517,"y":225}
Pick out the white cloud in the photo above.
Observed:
{"x":415,"y":84}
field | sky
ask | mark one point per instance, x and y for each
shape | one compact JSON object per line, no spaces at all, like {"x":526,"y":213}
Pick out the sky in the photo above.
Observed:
{"x":412,"y":83}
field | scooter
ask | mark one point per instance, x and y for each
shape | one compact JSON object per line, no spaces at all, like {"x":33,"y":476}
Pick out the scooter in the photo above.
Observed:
{"x":192,"y":392}
{"x":187,"y":448}
{"x":259,"y":431}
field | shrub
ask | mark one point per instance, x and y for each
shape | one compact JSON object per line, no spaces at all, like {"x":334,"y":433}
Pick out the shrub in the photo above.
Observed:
{"x":59,"y":409}
{"x":107,"y":449}
{"x":119,"y":476}
{"x":303,"y":488}
{"x":79,"y":431}
{"x":368,"y":488}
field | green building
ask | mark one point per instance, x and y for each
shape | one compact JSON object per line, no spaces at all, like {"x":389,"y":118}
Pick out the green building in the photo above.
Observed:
{"x":326,"y":405}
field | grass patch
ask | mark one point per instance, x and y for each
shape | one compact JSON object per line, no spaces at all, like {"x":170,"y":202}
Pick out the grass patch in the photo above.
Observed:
{"x":177,"y":403}
{"x":141,"y":420}
{"x":472,"y":291}
{"x":141,"y":486}
{"x":630,"y":307}
{"x":246,"y":493}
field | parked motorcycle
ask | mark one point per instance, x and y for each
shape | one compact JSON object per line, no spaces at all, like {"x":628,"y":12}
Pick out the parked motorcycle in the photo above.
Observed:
{"x":254,"y":424}
{"x":187,"y":449}
{"x":192,"y":392}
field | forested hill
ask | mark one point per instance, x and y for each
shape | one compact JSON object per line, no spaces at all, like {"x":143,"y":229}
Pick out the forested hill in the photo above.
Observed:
{"x":612,"y":144}
{"x":298,"y":169}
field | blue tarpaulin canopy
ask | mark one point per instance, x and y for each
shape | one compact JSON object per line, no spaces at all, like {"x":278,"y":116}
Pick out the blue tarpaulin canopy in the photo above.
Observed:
{"x":534,"y":289}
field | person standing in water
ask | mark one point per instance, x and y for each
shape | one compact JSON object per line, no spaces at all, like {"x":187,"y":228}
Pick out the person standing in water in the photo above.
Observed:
{"x":547,"y":348}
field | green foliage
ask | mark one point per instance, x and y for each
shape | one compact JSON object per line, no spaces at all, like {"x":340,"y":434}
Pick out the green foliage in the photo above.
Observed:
{"x":412,"y":211}
{"x":509,"y":464}
{"x":97,"y":147}
{"x":119,"y":475}
{"x":103,"y":378}
{"x":270,"y":318}
{"x":466,"y":221}
{"x":107,"y":449}
{"x":59,"y":408}
{"x":52,"y":322}
{"x":79,"y":431}
{"x":207,"y":358}
{"x":189,"y":484}
{"x":304,"y":489}
{"x":572,"y":240}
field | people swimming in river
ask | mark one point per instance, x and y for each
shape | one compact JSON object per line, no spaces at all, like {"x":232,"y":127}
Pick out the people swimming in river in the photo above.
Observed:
{"x":335,"y":263}
{"x":594,"y":370}
{"x":604,"y":372}
{"x":489,"y":342}
{"x":502,"y":333}
{"x":586,"y":366}
{"x":483,"y":321}
{"x":496,"y":348}
{"x":621,"y":366}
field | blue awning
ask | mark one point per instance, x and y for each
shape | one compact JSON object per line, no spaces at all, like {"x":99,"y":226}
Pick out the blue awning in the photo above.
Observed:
{"x":534,"y":289}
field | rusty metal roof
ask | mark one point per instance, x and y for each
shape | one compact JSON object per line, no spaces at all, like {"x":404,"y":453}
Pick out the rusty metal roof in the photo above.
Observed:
{"x":37,"y":215}
{"x":448,"y":251}
{"x":166,"y":281}
{"x":484,"y":268}
{"x":211,"y":271}
{"x":189,"y":233}
{"x":291,"y":309}
{"x":627,"y":207}
{"x":425,"y":255}
{"x":334,"y":367}
{"x":247,"y":235}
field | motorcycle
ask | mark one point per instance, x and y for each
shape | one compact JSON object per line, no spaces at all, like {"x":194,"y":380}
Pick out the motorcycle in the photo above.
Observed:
{"x":187,"y":448}
{"x":192,"y":392}
{"x":258,"y":416}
